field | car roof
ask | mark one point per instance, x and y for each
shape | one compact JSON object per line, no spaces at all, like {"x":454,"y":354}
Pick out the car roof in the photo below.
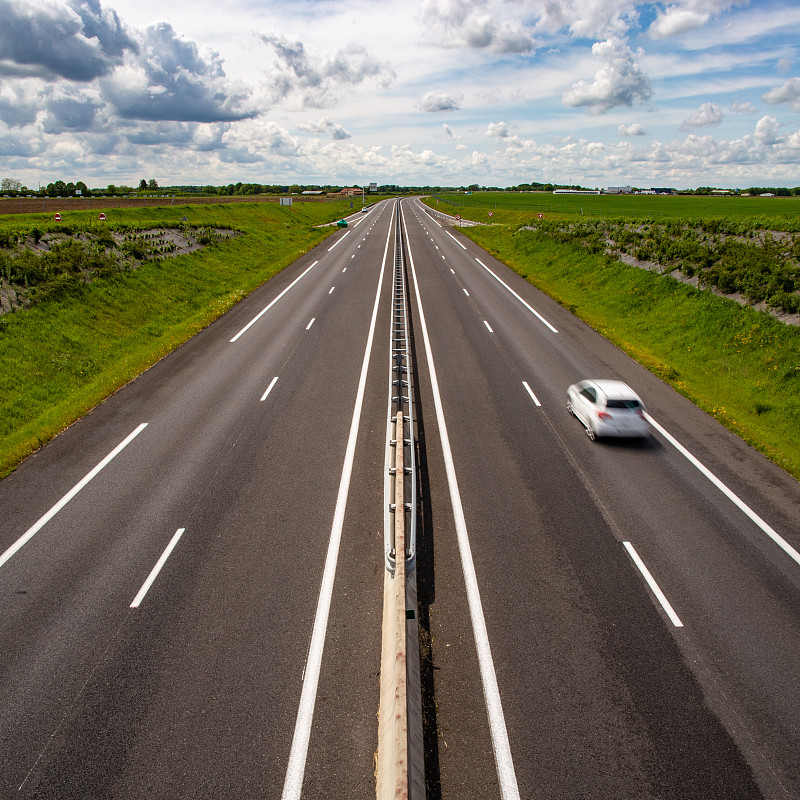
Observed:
{"x":613,"y":388}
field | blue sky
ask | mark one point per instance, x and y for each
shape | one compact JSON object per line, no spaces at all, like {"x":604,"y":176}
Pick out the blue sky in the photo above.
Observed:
{"x":442,"y":92}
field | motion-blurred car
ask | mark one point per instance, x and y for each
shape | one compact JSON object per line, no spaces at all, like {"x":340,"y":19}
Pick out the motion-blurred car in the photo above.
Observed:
{"x":608,"y":408}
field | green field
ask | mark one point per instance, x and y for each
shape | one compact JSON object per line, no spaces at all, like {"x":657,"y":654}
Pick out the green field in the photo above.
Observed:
{"x":775,"y":213}
{"x":740,"y":365}
{"x":63,"y":356}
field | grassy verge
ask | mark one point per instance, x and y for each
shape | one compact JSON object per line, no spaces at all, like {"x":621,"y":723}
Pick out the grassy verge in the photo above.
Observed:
{"x":740,"y":365}
{"x":61,"y":358}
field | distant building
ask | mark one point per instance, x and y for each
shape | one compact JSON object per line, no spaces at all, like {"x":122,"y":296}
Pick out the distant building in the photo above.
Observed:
{"x":576,"y":191}
{"x":619,"y":190}
{"x":661,"y":190}
{"x":349,"y":191}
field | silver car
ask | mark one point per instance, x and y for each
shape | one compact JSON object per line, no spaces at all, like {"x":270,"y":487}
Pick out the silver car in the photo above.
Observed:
{"x":608,"y":408}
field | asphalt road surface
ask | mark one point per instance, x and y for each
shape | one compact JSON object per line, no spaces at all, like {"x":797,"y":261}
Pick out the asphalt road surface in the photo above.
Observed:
{"x":248,"y":463}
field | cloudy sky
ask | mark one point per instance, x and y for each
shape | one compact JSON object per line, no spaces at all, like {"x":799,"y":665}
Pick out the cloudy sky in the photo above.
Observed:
{"x":683,"y":93}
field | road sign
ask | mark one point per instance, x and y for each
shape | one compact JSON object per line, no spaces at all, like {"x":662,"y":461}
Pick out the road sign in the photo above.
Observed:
{"x":102,"y":216}
{"x":541,"y":216}
{"x":458,"y":216}
{"x":58,"y":217}
{"x":491,"y":213}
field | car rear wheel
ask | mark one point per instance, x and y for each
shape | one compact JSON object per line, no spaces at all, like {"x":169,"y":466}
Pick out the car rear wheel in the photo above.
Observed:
{"x":591,"y":434}
{"x":570,"y":408}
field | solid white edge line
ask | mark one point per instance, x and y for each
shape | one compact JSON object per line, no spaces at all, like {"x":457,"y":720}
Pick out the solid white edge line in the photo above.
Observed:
{"x":43,"y":520}
{"x":264,"y":311}
{"x":339,"y":241}
{"x":455,"y":240}
{"x":665,"y":604}
{"x":157,"y":568}
{"x":494,"y":708}
{"x":295,"y":771}
{"x":269,"y":388}
{"x":424,"y":210}
{"x":530,"y":392}
{"x":488,"y":326}
{"x":732,"y":496}
{"x":527,"y":305}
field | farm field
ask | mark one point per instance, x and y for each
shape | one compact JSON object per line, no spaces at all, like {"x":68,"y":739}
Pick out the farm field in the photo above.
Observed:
{"x":74,"y":347}
{"x":779,"y":213}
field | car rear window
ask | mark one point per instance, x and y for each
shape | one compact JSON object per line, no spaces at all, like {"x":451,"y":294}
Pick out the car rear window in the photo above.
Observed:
{"x":622,"y":404}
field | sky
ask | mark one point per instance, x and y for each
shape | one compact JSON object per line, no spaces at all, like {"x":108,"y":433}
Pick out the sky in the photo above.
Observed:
{"x":420,"y":92}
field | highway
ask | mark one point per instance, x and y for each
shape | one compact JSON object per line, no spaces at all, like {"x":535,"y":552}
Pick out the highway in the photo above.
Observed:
{"x":248,"y":464}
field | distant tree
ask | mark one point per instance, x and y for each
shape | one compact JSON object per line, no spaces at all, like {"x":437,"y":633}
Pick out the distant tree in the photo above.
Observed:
{"x":142,"y":184}
{"x":152,"y":184}
{"x":83,"y":189}
{"x":111,"y":189}
{"x":10,"y":185}
{"x":70,"y":189}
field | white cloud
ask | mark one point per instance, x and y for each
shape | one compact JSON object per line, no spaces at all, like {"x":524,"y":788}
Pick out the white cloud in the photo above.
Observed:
{"x":324,"y":125}
{"x":497,"y":130}
{"x":707,"y":115}
{"x":317,"y":81}
{"x":438,"y":101}
{"x":470,"y":23}
{"x":634,"y":129}
{"x":618,"y":83}
{"x":676,"y":21}
{"x":587,"y":18}
{"x":784,"y":65}
{"x":788,"y":92}
{"x":742,"y":108}
{"x":766,"y":132}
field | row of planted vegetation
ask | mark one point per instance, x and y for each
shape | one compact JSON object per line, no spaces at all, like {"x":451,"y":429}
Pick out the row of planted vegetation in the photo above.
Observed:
{"x":732,"y":256}
{"x":40,"y":264}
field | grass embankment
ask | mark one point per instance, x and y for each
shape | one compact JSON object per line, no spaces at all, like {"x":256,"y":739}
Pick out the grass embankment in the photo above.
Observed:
{"x":62,"y":357}
{"x":740,"y":365}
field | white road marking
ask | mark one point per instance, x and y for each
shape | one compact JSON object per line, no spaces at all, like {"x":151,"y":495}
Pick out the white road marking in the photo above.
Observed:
{"x":157,"y":568}
{"x":331,"y":291}
{"x":453,"y":271}
{"x":488,"y":326}
{"x":293,"y":783}
{"x":653,"y":585}
{"x":264,"y":311}
{"x":733,"y":497}
{"x":455,"y":240}
{"x":308,"y":327}
{"x":345,"y":269}
{"x":491,"y":692}
{"x":506,"y":286}
{"x":530,"y":392}
{"x":42,"y":521}
{"x":275,"y":379}
{"x":465,"y":292}
{"x":339,"y":241}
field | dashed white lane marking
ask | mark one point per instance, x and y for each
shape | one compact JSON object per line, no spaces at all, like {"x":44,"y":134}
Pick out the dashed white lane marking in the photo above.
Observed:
{"x":157,"y":568}
{"x":275,"y":379}
{"x":489,"y":327}
{"x":530,"y":392}
{"x":653,"y":585}
{"x":308,"y":327}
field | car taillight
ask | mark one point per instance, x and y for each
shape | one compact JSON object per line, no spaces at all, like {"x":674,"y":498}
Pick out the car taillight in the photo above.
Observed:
{"x":603,"y":415}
